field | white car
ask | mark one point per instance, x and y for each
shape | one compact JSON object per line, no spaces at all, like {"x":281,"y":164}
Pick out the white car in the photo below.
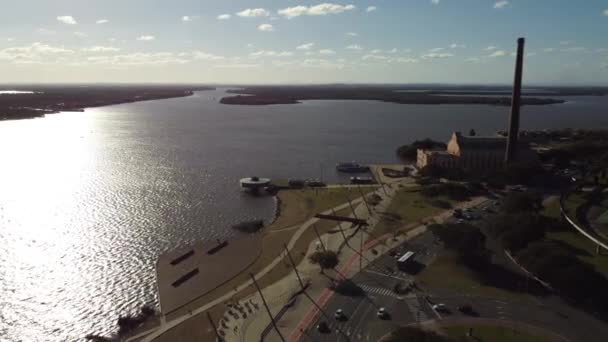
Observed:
{"x":440,"y":307}
{"x":382,"y":313}
{"x":339,"y":314}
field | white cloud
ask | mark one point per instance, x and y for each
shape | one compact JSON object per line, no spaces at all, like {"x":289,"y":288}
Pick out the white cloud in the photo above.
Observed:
{"x":491,"y":48}
{"x":549,"y":49}
{"x":327,"y":52}
{"x":436,"y":50}
{"x":436,"y":55}
{"x":270,"y":53}
{"x":575,"y":49}
{"x":435,"y":2}
{"x":67,"y":19}
{"x":352,"y":34}
{"x":501,"y":4}
{"x":354,"y":47}
{"x":102,"y":21}
{"x":600,"y":50}
{"x":46,"y":31}
{"x":200,"y":55}
{"x":306,"y":46}
{"x":10,"y":39}
{"x":374,"y":57}
{"x":266,"y":28}
{"x":472,"y":59}
{"x":404,"y":60}
{"x":80,"y":34}
{"x":139,"y":59}
{"x":393,"y":50}
{"x":498,"y":53}
{"x":34,"y":53}
{"x":606,"y":12}
{"x":188,"y":18}
{"x":531,"y":54}
{"x":224,"y":16}
{"x":321,"y":9}
{"x":146,"y":38}
{"x":375,"y":51}
{"x":253,"y":12}
{"x":406,"y":50}
{"x":371,"y":9}
{"x":101,"y":49}
{"x":321,"y":63}
{"x":457,"y":46}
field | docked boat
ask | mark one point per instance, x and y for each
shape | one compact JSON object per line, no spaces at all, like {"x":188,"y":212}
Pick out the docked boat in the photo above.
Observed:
{"x":351,"y":167}
{"x":361,"y":180}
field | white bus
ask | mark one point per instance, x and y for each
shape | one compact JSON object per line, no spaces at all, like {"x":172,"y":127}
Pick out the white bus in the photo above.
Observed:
{"x":405,"y":260}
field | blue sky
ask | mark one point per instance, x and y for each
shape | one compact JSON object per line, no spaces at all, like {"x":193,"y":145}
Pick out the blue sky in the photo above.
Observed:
{"x":302,"y":41}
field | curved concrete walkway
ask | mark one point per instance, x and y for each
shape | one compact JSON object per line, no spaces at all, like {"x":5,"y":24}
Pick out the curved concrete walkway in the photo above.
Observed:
{"x":150,"y":335}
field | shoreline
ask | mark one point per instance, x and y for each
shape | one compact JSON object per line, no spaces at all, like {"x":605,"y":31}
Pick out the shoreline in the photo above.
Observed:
{"x":38,"y":105}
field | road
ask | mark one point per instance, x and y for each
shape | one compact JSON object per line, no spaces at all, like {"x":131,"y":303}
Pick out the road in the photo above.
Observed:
{"x":377,"y":280}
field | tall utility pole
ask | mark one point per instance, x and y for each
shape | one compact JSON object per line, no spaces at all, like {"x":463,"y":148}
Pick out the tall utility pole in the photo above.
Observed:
{"x":274,"y":323}
{"x":511,"y":152}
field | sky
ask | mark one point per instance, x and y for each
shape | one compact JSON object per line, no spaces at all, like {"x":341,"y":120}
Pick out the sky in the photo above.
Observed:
{"x":303,"y":41}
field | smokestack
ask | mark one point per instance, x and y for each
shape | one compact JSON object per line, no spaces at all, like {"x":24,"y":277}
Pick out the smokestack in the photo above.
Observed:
{"x":511,"y":153}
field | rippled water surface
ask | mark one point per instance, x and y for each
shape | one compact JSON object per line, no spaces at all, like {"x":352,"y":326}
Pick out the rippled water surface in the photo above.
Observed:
{"x":88,"y":200}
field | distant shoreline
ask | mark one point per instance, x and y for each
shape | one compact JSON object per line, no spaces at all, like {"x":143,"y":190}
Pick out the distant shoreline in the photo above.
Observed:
{"x":501,"y":96}
{"x":43,"y":101}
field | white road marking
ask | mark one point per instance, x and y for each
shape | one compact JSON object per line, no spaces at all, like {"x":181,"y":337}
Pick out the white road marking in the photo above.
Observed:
{"x":385,"y":275}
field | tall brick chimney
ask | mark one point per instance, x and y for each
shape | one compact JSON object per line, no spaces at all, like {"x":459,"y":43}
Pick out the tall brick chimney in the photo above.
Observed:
{"x":511,"y":152}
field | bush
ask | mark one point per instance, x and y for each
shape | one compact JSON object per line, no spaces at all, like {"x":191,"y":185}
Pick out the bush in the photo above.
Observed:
{"x":516,"y":231}
{"x":521,"y":202}
{"x":325,"y":259}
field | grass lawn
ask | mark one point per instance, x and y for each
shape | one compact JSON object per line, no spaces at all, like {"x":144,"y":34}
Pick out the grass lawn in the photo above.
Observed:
{"x":552,"y":208}
{"x":299,"y":205}
{"x":446,"y":273}
{"x":575,"y":240}
{"x":482,"y":333}
{"x":408,"y":206}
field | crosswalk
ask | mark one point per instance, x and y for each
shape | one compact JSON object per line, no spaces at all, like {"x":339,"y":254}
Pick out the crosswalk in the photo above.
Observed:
{"x":379,"y":291}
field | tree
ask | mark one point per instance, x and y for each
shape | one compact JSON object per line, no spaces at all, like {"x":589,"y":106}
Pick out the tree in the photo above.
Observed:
{"x":521,"y":202}
{"x":325,"y":259}
{"x":472,"y":132}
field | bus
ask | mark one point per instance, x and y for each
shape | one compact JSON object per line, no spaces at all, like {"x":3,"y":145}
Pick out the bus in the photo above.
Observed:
{"x":405,"y":261}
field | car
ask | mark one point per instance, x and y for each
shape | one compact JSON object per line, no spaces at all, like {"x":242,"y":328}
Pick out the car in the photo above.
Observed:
{"x":323,"y":328}
{"x":339,"y":315}
{"x":466,"y":309}
{"x":460,"y":221}
{"x":439,"y":307}
{"x":315,"y":183}
{"x":382,"y":313}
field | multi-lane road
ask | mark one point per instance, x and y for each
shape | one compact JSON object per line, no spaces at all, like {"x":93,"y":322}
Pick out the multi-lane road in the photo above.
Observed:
{"x":362,"y":323}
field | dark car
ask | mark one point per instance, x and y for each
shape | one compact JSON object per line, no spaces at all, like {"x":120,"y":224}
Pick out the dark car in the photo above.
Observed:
{"x":314,"y":183}
{"x":323,"y":328}
{"x":467,"y":309}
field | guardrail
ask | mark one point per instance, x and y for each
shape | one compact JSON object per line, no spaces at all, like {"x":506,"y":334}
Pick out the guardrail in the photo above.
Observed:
{"x":575,"y":225}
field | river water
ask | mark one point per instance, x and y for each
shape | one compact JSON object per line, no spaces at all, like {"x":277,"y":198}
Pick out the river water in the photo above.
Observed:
{"x":89,"y":200}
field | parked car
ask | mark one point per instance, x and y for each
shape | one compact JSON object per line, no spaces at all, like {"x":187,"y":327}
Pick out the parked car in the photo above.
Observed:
{"x":315,"y":183}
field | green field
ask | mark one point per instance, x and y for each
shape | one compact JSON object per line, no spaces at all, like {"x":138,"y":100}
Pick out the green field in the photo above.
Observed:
{"x":483,"y":333}
{"x":446,"y":273}
{"x":408,"y":206}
